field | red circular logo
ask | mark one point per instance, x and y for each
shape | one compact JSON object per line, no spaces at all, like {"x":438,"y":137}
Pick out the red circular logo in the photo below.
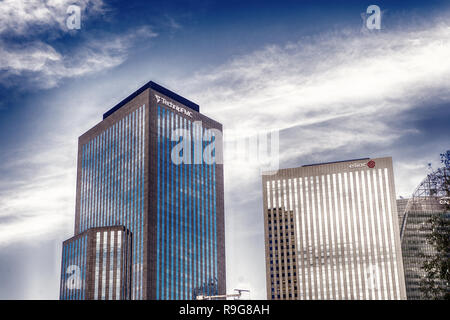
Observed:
{"x":371,"y":164}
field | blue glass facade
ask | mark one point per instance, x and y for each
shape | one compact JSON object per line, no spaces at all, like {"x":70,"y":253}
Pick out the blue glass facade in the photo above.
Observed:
{"x":96,"y":265}
{"x":172,"y":212}
{"x":112,"y":185}
{"x":186,"y":255}
{"x":73,"y":269}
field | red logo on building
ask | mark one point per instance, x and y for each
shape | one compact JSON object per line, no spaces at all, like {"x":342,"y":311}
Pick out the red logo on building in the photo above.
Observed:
{"x":371,"y":164}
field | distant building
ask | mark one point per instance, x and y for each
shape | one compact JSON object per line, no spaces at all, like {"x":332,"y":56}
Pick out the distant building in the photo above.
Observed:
{"x":425,"y":202}
{"x":401,"y":207}
{"x":331,"y":232}
{"x":146,"y":225}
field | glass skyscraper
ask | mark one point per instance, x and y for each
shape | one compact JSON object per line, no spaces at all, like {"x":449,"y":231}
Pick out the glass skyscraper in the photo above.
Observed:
{"x":331,"y":232}
{"x":427,"y":201}
{"x":151,"y":168}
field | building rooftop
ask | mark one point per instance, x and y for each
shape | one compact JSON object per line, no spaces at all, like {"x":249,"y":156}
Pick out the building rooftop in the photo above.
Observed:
{"x":155,"y":87}
{"x":318,"y":164}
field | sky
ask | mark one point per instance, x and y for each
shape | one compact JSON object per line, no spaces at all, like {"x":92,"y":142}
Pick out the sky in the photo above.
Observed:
{"x":309,"y":70}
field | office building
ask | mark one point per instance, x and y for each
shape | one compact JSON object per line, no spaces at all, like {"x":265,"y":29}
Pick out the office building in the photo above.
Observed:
{"x":105,"y":250}
{"x":331,"y":232}
{"x":426,"y":202}
{"x":150,"y":169}
{"x":401,"y":207}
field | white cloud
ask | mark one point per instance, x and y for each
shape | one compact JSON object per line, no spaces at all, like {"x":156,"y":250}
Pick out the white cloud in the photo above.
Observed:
{"x":334,"y":94}
{"x":38,"y":201}
{"x":43,"y":66}
{"x":27,"y":57}
{"x":355,"y":81}
{"x":28,"y":17}
{"x":328,"y":76}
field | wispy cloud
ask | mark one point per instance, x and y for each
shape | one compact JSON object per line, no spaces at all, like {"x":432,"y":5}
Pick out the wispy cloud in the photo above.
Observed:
{"x":30,"y":17}
{"x":37,"y":200}
{"x":333,"y":95}
{"x":28,"y":54}
{"x":328,"y":76}
{"x":332,"y":90}
{"x":41,"y":65}
{"x":173,"y":24}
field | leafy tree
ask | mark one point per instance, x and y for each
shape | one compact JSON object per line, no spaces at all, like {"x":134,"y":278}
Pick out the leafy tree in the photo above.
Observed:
{"x":445,"y":159}
{"x":436,"y":283}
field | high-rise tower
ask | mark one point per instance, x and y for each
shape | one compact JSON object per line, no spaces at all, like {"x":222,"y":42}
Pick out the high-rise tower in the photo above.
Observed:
{"x":149,"y":220}
{"x":331,"y":232}
{"x":430,"y":199}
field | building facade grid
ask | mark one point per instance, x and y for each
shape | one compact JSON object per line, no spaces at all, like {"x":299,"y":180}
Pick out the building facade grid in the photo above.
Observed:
{"x":346,"y":231}
{"x":112,"y":187}
{"x":186,"y":212}
{"x":174,"y":211}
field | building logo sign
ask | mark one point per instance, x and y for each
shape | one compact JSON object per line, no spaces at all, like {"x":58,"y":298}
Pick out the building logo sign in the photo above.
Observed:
{"x":173,"y":106}
{"x":370,"y":164}
{"x":445,"y":200}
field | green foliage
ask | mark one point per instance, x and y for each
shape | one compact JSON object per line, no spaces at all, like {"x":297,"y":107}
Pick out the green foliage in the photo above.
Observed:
{"x":436,"y":283}
{"x":445,"y":159}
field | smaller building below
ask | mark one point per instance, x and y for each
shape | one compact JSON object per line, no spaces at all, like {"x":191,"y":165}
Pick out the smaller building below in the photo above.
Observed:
{"x":96,"y":265}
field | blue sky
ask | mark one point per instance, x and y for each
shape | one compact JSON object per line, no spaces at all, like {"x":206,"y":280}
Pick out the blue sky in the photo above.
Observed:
{"x":306,"y":68}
